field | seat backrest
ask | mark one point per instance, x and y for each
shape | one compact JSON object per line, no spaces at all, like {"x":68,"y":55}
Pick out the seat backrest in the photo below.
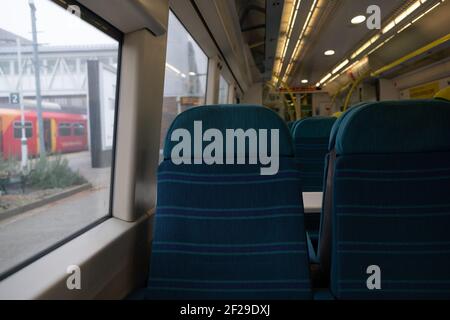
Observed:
{"x":337,"y":124}
{"x":226,"y":231}
{"x":324,"y":244}
{"x":290,"y":125}
{"x":391,"y":202}
{"x":311,"y":137}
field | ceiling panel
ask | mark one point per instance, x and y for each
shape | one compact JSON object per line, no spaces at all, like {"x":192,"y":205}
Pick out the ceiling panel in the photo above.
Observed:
{"x":252,"y":18}
{"x":274,"y":11}
{"x":433,"y":26}
{"x":338,"y":34}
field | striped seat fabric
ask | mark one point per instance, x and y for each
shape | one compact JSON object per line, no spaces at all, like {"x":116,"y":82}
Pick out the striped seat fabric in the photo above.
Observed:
{"x":225,"y":231}
{"x":311,"y":137}
{"x":391,"y":202}
{"x":324,"y":242}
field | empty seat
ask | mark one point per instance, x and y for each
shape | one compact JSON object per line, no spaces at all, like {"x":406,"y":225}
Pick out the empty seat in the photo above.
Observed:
{"x":311,"y":137}
{"x":391,"y":202}
{"x":225,"y":231}
{"x":324,"y":241}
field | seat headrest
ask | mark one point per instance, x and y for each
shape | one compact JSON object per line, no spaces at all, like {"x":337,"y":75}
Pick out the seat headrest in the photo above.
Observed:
{"x":223,"y":117}
{"x":337,"y":124}
{"x":411,"y":126}
{"x":314,"y":127}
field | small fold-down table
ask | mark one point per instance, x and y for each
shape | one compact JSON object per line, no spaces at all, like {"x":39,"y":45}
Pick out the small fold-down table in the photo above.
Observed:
{"x":312,"y":202}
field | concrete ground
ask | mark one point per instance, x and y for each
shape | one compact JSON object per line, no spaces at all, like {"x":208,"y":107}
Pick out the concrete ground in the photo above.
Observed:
{"x":26,"y":234}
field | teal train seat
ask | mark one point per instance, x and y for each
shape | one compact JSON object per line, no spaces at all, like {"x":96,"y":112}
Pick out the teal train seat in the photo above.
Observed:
{"x":324,"y":241}
{"x":311,"y":137}
{"x":226,"y":231}
{"x":390,"y":202}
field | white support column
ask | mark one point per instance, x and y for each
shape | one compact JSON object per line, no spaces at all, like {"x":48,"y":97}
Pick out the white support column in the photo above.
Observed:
{"x":139,"y":124}
{"x":232,"y":93}
{"x":212,"y":89}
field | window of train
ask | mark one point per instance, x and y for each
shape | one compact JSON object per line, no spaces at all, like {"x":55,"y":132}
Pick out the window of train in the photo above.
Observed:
{"x":186,"y":74}
{"x":56,"y":142}
{"x":223,"y":90}
{"x":64,"y":129}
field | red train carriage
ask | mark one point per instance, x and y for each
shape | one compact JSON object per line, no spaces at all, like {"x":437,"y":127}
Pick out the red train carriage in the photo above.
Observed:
{"x":63,"y":132}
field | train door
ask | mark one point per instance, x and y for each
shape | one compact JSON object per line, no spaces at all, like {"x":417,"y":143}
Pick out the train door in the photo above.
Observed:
{"x":48,"y":135}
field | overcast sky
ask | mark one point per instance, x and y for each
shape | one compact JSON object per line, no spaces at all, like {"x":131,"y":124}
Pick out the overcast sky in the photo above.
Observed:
{"x":55,"y":26}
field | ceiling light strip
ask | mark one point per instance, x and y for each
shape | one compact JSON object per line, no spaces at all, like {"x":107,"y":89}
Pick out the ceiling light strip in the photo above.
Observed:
{"x":286,"y":39}
{"x":426,"y":12}
{"x":324,"y":79}
{"x":395,"y":21}
{"x":290,"y":27}
{"x":365,"y":46}
{"x":334,"y":78}
{"x":342,"y":65}
{"x":381,"y":44}
{"x":300,"y":40}
{"x":403,"y":15}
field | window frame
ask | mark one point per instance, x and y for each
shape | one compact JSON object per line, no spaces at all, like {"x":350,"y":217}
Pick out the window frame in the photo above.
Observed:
{"x":227,"y":93}
{"x":103,"y":26}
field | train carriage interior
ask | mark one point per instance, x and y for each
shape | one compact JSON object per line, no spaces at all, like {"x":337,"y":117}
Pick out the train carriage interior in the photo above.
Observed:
{"x":224,"y":150}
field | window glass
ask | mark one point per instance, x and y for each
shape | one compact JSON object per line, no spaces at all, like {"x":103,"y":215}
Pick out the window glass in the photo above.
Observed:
{"x":69,"y":131}
{"x":18,"y":129}
{"x":78,"y":129}
{"x":104,"y":61}
{"x":223,"y":90}
{"x":186,"y":74}
{"x":51,"y":64}
{"x":5,"y":67}
{"x":64,"y":129}
{"x":72,"y":65}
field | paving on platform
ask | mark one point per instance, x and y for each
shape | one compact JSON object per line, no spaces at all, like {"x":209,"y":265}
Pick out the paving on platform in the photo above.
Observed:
{"x":23,"y":236}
